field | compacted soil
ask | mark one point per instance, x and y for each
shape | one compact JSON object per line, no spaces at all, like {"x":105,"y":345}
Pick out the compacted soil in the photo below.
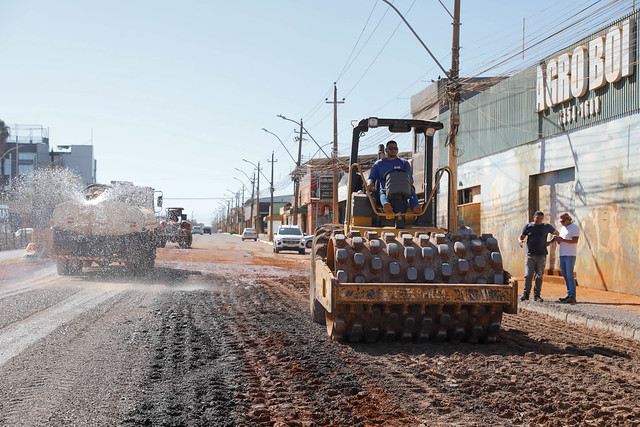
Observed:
{"x":220,"y":334}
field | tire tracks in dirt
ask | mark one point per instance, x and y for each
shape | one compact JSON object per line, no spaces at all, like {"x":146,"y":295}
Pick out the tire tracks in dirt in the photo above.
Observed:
{"x":295,"y":369}
{"x":84,"y":370}
{"x":194,"y":375}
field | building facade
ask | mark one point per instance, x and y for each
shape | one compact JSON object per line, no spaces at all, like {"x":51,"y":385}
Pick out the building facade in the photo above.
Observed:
{"x":28,"y":148}
{"x":559,"y":136}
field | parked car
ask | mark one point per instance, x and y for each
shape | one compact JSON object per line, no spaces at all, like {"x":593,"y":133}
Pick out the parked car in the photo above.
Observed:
{"x":196,"y":229}
{"x":289,"y":237}
{"x":249,"y":233}
{"x":308,"y":240}
{"x":206,"y":229}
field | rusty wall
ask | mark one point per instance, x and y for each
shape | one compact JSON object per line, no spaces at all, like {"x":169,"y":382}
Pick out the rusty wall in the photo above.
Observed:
{"x":603,"y":197}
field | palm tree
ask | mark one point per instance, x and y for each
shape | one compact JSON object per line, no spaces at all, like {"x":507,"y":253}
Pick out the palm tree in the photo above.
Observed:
{"x":4,"y":135}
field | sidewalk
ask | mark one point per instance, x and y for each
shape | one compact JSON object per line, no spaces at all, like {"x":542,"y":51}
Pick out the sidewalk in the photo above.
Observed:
{"x":609,"y":311}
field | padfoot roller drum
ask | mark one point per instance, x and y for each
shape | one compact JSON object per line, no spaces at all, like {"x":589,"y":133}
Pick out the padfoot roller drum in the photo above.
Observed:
{"x":409,"y":288}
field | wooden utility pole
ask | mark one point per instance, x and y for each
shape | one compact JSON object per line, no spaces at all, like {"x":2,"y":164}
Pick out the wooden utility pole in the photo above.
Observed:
{"x":296,"y":177}
{"x":335,"y":102}
{"x":271,"y":209}
{"x":453,"y":94}
{"x":253,"y":187}
{"x":242,"y":208}
{"x":258,"y":219}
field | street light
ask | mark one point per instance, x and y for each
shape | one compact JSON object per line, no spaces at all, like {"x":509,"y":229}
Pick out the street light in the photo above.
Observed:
{"x":9,"y":150}
{"x":285,"y":147}
{"x":253,"y":186}
{"x":2,"y":157}
{"x":242,"y":200}
{"x":236,"y":195}
{"x":302,"y":128}
{"x":245,"y":174}
{"x":258,"y":218}
{"x":297,"y":184}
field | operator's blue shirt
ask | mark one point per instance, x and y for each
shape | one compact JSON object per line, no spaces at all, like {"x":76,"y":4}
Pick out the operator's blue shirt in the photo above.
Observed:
{"x":384,"y":165}
{"x":537,"y":237}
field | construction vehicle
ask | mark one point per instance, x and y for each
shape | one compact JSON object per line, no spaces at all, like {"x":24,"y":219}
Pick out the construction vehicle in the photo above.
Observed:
{"x":175,"y":228}
{"x":400,"y":275}
{"x":110,"y":224}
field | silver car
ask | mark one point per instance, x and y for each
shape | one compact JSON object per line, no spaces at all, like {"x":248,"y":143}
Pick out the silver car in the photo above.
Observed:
{"x":289,"y":237}
{"x":249,"y":233}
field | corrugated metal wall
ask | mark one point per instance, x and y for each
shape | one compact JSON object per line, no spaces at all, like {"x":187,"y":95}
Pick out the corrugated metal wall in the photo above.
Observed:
{"x":504,"y":117}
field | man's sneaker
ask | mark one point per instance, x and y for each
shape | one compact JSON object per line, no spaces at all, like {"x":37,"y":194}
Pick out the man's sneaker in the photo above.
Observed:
{"x":387,"y":208}
{"x":539,"y":299}
{"x":417,"y":209}
{"x":524,"y":297}
{"x":563,"y":298}
{"x":570,"y":300}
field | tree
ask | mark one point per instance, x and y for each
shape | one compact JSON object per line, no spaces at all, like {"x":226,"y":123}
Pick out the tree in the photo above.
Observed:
{"x":4,"y":135}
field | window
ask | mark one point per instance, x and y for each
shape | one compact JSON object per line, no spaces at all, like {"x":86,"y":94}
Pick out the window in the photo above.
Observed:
{"x":26,"y":163}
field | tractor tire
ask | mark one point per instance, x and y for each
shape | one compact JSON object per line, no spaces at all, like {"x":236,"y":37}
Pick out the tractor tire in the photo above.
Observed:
{"x":62,"y":265}
{"x":75,"y":267}
{"x":319,"y":250}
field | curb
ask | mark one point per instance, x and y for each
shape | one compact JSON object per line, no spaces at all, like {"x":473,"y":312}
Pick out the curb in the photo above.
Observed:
{"x":594,"y":322}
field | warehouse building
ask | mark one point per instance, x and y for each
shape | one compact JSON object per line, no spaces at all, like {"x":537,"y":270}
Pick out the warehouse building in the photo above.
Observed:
{"x":562,"y":135}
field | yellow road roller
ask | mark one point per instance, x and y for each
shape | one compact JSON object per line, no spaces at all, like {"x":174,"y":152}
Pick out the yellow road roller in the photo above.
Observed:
{"x":385,"y":275}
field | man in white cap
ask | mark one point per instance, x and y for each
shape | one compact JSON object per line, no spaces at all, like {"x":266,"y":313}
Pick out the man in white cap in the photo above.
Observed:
{"x":568,"y":242}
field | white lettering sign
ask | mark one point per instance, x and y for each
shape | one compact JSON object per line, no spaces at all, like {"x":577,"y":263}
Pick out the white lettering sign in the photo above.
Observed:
{"x":606,"y":59}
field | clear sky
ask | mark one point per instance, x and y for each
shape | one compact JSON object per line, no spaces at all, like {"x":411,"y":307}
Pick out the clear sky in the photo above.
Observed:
{"x":175,"y":94}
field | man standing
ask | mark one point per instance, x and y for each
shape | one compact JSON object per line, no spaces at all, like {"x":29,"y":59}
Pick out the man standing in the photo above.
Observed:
{"x":568,"y":242}
{"x":536,"y":234}
{"x":378,"y":172}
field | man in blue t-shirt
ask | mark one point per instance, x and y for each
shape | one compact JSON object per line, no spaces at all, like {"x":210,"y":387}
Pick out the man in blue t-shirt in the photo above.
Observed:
{"x":536,"y":234}
{"x":379,"y":170}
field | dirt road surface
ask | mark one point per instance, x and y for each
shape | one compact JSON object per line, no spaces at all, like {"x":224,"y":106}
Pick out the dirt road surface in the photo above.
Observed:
{"x":220,"y":335}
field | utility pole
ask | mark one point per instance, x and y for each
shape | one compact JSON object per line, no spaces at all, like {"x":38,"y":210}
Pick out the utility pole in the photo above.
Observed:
{"x":297,"y":178}
{"x":258,"y":222}
{"x":335,"y":102}
{"x":271,"y":188}
{"x":453,"y":93}
{"x":239,"y":230}
{"x":453,"y":97}
{"x":253,"y":187}
{"x":242,"y":208}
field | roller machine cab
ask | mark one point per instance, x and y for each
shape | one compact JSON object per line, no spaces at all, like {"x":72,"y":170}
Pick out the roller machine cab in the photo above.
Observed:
{"x":401,"y":275}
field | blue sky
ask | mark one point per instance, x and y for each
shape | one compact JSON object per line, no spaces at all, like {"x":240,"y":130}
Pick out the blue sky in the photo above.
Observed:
{"x":176,"y":93}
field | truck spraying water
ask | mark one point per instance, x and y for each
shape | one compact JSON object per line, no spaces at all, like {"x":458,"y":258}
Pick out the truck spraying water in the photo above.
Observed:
{"x":113,"y":223}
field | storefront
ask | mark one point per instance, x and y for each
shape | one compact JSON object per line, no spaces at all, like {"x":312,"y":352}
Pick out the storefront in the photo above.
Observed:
{"x":559,"y":136}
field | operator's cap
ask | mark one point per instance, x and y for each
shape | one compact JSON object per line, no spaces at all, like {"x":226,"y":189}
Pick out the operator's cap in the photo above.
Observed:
{"x":461,"y":222}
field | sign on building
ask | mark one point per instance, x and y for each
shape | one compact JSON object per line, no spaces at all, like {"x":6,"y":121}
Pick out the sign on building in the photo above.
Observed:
{"x":325,"y":187}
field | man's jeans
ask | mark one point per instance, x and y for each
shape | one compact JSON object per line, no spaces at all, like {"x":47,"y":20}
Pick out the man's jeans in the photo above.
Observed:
{"x":399,"y":205}
{"x":534,"y":264}
{"x":566,"y":267}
